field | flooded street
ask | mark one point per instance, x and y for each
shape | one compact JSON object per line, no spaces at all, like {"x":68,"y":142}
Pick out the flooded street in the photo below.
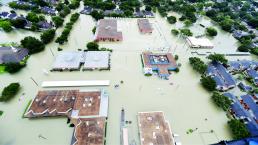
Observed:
{"x":185,"y":103}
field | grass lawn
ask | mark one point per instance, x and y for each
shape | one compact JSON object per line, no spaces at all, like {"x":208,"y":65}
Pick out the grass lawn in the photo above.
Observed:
{"x":2,"y":69}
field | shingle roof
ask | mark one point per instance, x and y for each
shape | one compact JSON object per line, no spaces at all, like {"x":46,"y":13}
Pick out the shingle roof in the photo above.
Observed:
{"x":11,"y":54}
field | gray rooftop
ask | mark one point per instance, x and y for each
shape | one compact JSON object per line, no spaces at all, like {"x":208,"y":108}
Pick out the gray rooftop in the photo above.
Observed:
{"x":68,"y":60}
{"x":12,"y":54}
{"x":96,"y":59}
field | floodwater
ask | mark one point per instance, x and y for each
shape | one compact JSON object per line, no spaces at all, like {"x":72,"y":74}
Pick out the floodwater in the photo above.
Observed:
{"x":185,"y":103}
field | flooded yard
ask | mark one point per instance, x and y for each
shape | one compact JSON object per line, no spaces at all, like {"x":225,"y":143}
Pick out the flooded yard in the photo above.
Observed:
{"x":185,"y":103}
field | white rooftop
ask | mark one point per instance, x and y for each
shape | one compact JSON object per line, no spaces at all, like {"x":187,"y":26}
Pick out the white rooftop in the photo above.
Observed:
{"x":68,"y":60}
{"x":46,"y":84}
{"x":199,"y":42}
{"x":96,"y":59}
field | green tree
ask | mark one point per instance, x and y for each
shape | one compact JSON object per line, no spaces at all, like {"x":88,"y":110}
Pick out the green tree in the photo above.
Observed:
{"x":210,"y":31}
{"x":92,"y":46}
{"x":175,"y":32}
{"x":238,"y":129}
{"x":218,"y":58}
{"x":221,"y":101}
{"x":58,"y":21}
{"x":187,"y":22}
{"x":198,"y":64}
{"x":208,"y":83}
{"x":171,"y":19}
{"x":186,"y":32}
{"x":19,"y":23}
{"x":33,"y":17}
{"x":48,"y":36}
{"x":9,"y":92}
{"x":6,"y":26}
{"x":97,"y":15}
{"x":244,"y":48}
{"x":32,"y":44}
{"x":13,"y":67}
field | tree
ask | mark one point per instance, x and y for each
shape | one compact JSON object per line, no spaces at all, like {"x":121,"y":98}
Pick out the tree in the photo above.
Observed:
{"x":208,"y":83}
{"x":32,"y":44}
{"x":187,"y":23}
{"x":175,"y":32}
{"x":238,"y":129}
{"x":97,"y":15}
{"x":93,"y":46}
{"x":198,"y":64}
{"x":254,"y":51}
{"x":221,"y":101}
{"x":47,"y":36}
{"x":74,"y":17}
{"x":13,"y":67}
{"x":171,"y":19}
{"x":58,"y":21}
{"x":148,"y":8}
{"x":9,"y":92}
{"x":218,"y":58}
{"x":6,"y":26}
{"x":186,"y":32}
{"x":33,"y":17}
{"x":244,"y":48}
{"x":210,"y":31}
{"x":226,"y":25}
{"x":19,"y":23}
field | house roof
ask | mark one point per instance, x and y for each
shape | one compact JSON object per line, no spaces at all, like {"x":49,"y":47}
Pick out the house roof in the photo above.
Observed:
{"x":12,"y":54}
{"x":251,"y":104}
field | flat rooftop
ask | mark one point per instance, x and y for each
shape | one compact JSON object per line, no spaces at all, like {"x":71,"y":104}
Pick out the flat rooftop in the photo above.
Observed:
{"x":107,"y":30}
{"x":162,"y":62}
{"x":87,"y":103}
{"x":199,"y":42}
{"x":49,"y":84}
{"x":52,"y":103}
{"x":144,"y":25}
{"x":70,"y":103}
{"x":154,"y":129}
{"x":97,"y":60}
{"x":70,"y":60}
{"x":89,"y":131}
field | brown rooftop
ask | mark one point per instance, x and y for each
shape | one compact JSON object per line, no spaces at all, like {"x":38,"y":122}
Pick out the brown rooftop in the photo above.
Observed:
{"x":88,"y":103}
{"x":144,"y":26}
{"x":107,"y":30}
{"x":63,"y":102}
{"x":89,"y":131}
{"x":52,"y":103}
{"x":154,"y":129}
{"x":160,"y":62}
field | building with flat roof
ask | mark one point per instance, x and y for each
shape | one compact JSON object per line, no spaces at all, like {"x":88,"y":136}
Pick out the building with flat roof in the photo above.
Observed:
{"x":160,"y":62}
{"x":97,"y":60}
{"x":68,"y":60}
{"x":154,"y":129}
{"x":87,"y":109}
{"x":107,"y":30}
{"x":12,"y":54}
{"x":71,"y":103}
{"x":201,"y":42}
{"x":73,"y":60}
{"x":144,"y":26}
{"x":89,"y":131}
